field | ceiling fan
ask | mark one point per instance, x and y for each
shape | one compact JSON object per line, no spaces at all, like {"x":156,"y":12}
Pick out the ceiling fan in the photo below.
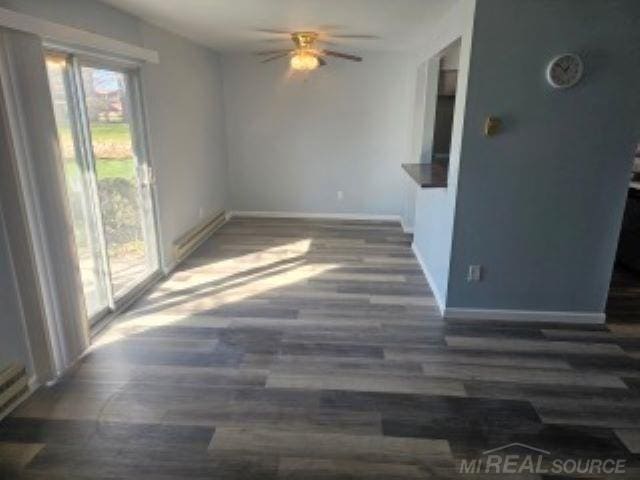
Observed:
{"x":305,"y":55}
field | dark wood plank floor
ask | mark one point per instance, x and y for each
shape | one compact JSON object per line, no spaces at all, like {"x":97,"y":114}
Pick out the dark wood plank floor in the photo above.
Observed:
{"x":293,"y":349}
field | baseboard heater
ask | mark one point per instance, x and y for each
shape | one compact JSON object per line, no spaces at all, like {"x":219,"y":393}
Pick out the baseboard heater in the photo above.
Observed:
{"x":13,"y":385}
{"x":188,"y":242}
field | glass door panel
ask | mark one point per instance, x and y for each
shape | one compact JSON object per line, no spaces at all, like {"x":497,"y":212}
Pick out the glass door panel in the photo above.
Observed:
{"x":120,"y":190}
{"x":99,"y":120}
{"x":77,"y":176}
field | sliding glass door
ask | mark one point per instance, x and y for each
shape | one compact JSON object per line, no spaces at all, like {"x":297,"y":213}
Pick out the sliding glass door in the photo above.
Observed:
{"x":120,"y":189}
{"x":107,"y":177}
{"x":78,"y":179}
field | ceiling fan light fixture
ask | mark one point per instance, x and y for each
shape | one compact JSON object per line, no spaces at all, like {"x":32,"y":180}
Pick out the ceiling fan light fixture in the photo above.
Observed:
{"x":304,"y":56}
{"x":304,"y":61}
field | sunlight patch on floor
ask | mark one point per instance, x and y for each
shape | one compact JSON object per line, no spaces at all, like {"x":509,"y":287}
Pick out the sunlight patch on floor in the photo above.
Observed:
{"x":248,"y":261}
{"x":259,"y":278}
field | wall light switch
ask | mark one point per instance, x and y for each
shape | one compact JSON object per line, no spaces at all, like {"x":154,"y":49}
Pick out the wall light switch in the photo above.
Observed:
{"x":340,"y":195}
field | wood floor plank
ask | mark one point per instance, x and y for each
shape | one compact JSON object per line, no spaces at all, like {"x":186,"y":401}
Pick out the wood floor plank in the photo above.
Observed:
{"x":630,"y":437}
{"x":430,"y":354}
{"x":15,"y":456}
{"x":576,"y":412}
{"x":332,"y":446}
{"x":328,"y":469}
{"x":534,"y":345}
{"x":521,"y":375}
{"x":367,"y":383}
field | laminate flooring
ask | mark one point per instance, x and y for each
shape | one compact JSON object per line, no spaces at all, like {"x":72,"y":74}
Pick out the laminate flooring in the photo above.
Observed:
{"x":299,"y":349}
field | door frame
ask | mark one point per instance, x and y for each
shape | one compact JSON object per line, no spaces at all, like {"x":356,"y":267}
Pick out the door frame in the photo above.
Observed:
{"x":145,"y":179}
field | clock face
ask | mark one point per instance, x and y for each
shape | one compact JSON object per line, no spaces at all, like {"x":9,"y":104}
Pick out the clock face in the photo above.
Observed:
{"x":564,"y":70}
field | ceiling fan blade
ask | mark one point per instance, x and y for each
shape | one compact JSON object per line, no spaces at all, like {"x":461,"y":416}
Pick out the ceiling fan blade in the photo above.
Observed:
{"x":273,"y":30}
{"x":275,"y":57}
{"x":337,"y":35}
{"x":326,"y":41}
{"x":346,"y":56}
{"x":273,"y":40}
{"x":272,"y":52}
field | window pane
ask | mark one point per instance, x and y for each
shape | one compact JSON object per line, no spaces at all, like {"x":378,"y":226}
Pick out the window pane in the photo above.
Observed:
{"x":76,"y":177}
{"x":119,"y":188}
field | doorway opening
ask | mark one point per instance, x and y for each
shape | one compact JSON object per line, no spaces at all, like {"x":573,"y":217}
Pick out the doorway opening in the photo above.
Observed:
{"x":107,"y":177}
{"x":445,"y":102}
{"x":623,"y":302}
{"x":441,"y":85}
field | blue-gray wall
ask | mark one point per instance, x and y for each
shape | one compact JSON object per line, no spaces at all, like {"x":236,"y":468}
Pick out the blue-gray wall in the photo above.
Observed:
{"x":540,"y":205}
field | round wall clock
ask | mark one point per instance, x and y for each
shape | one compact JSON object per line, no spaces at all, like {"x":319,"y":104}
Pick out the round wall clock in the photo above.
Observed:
{"x":565,"y":70}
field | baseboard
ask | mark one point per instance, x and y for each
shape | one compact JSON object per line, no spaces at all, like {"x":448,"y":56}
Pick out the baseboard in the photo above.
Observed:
{"x":169,"y":267}
{"x":440,"y":301}
{"x":524,"y":315}
{"x":326,"y":216}
{"x":32,"y":386}
{"x":190,"y":240}
{"x":406,"y":228}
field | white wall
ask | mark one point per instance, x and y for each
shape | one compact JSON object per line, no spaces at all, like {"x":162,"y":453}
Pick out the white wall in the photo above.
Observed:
{"x":183,"y":98}
{"x":435,"y":208}
{"x":450,"y":59}
{"x":294,"y":141}
{"x":89,"y":15}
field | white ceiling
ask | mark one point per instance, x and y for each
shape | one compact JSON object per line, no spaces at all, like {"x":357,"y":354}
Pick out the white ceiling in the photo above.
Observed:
{"x":231,"y":25}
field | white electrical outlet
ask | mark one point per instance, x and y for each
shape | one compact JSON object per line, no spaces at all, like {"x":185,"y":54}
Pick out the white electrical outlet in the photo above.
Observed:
{"x":200,"y":213}
{"x":475,"y":273}
{"x":340,"y":195}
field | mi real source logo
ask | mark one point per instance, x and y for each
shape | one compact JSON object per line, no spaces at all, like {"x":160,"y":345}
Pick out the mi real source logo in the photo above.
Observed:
{"x":534,"y":460}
